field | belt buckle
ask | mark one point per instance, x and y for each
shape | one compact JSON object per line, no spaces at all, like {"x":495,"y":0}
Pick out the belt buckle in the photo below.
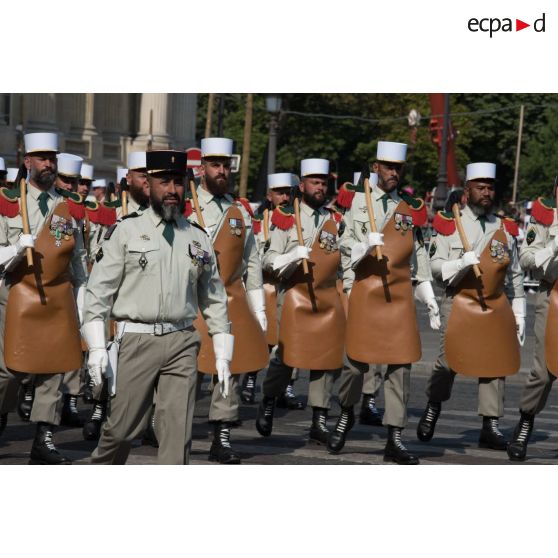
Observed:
{"x":158,"y":329}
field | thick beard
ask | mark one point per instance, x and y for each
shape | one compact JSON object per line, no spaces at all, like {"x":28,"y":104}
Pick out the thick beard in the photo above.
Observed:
{"x":214,"y":188}
{"x":311,"y":201}
{"x":479,"y":211}
{"x":140,"y":197}
{"x":44,"y":179}
{"x":166,"y":212}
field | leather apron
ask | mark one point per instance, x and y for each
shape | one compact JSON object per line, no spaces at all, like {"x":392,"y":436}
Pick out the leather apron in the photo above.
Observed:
{"x":481,"y":337}
{"x":250,"y":347}
{"x":42,"y":330}
{"x":312,"y":338}
{"x":382,"y":325}
{"x":551,"y":332}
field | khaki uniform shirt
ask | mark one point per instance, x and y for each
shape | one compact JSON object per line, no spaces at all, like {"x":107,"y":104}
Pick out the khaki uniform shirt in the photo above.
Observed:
{"x":357,"y":227}
{"x":538,"y":237}
{"x":214,"y":219}
{"x":168,"y":287}
{"x":11,"y":229}
{"x":445,"y":248}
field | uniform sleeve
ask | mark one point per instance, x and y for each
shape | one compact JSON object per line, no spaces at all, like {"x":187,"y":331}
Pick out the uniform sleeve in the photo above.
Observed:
{"x":78,"y":264}
{"x":419,"y":260}
{"x":347,"y":242}
{"x":212,"y":297}
{"x":278,"y":244}
{"x":439,"y":254}
{"x":514,"y":274}
{"x":253,"y":274}
{"x":3,"y":231}
{"x":537,"y":238}
{"x":106,"y":278}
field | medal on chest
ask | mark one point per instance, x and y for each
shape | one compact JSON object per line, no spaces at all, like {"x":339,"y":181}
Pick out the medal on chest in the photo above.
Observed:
{"x":499,"y":251}
{"x":61,"y":229}
{"x":328,"y":241}
{"x":235,"y":226}
{"x":200,"y":257}
{"x":403,"y":223}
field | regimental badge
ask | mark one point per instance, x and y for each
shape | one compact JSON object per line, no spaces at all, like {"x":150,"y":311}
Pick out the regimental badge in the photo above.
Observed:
{"x":236,"y":226}
{"x":328,"y":241}
{"x":432,"y":250}
{"x":363,"y":228}
{"x":531,"y":235}
{"x":363,"y":209}
{"x":498,"y":251}
{"x":142,"y":261}
{"x":145,"y":237}
{"x":200,"y":257}
{"x":60,"y":228}
{"x":403,"y":223}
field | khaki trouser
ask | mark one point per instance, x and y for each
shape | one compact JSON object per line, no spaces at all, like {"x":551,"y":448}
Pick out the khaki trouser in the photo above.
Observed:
{"x":224,"y":409}
{"x":8,"y":383}
{"x":72,"y":382}
{"x":170,"y":362}
{"x":373,"y":380}
{"x":540,"y":380}
{"x":320,"y":388}
{"x":397,"y":388}
{"x":440,"y":382}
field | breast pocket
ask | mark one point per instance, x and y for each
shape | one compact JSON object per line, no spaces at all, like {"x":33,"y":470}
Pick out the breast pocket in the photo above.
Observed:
{"x":456,"y":250}
{"x":143,"y":257}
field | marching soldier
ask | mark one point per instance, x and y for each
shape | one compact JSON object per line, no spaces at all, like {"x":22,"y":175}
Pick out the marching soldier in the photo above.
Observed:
{"x":159,"y":258}
{"x":99,"y":189}
{"x":85,"y":181}
{"x":11,"y":175}
{"x":538,"y":255}
{"x":41,"y":324}
{"x":229,"y":226}
{"x":279,"y":190}
{"x":480,"y":328}
{"x":310,"y":312}
{"x":381,"y":324}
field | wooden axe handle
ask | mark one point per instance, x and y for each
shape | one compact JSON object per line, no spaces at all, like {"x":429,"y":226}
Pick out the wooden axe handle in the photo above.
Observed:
{"x":371,"y":218}
{"x":196,"y":203}
{"x":464,"y":241}
{"x":299,"y":233}
{"x":124,"y":203}
{"x":266,"y":224}
{"x":25,"y":218}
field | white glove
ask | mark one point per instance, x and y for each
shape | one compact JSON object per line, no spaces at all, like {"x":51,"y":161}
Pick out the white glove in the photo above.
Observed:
{"x":79,"y":293}
{"x":256,"y":300}
{"x":286,"y":263}
{"x":546,"y":255}
{"x":11,"y":255}
{"x":23,"y":242}
{"x":223,"y":345}
{"x":374,"y":239}
{"x":519,"y":307}
{"x":453,"y":270}
{"x":425,"y":294}
{"x":94,"y":335}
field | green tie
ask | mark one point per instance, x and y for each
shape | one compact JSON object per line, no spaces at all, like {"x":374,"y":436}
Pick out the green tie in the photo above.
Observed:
{"x":43,"y":205}
{"x":385,"y":199}
{"x":219,"y":202}
{"x":316,"y":217}
{"x":168,"y":232}
{"x":482,"y":219}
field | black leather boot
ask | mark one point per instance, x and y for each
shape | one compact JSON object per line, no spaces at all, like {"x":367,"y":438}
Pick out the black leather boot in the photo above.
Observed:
{"x":44,"y":451}
{"x":490,"y":435}
{"x":70,"y":415}
{"x":345,"y":422}
{"x":395,"y":451}
{"x":92,"y":428}
{"x":427,"y":423}
{"x":369,"y":413}
{"x":264,"y":419}
{"x":248,"y":393}
{"x":517,"y":448}
{"x":221,"y":449}
{"x":3,"y":423}
{"x":289,"y":400}
{"x":25,"y":397}
{"x":318,"y":431}
{"x":149,"y":437}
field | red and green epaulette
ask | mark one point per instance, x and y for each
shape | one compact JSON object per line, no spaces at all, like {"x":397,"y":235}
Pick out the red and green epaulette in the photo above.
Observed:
{"x":543,"y":211}
{"x":9,"y":202}
{"x":257,"y":220}
{"x":246,"y":204}
{"x":345,"y":195}
{"x":418,"y":209}
{"x":511,"y":226}
{"x":283,"y":217}
{"x":187,"y":205}
{"x":337,"y":215}
{"x":74,"y":202}
{"x":99,"y":213}
{"x":444,"y":223}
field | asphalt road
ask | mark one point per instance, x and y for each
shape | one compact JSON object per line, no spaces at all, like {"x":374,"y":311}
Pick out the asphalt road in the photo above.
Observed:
{"x":455,"y":441}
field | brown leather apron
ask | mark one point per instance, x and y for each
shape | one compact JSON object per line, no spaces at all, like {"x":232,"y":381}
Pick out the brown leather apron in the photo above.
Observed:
{"x":42,"y":330}
{"x":270,"y":290}
{"x":551,"y":332}
{"x":382,"y":324}
{"x":481,"y":337}
{"x":310,"y":337}
{"x":250,"y":347}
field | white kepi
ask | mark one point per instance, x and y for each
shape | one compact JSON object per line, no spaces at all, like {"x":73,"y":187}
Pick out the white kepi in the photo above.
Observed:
{"x":391,"y":152}
{"x":41,"y":142}
{"x":99,"y":183}
{"x":481,"y":170}
{"x":121,"y":173}
{"x":216,"y":147}
{"x":86,"y":171}
{"x":2,"y":165}
{"x":136,"y":160}
{"x":280,"y":180}
{"x":314,"y":166}
{"x":12,"y":174}
{"x":69,"y":165}
{"x":373,"y":180}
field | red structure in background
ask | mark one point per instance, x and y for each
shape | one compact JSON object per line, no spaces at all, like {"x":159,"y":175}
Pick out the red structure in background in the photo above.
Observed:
{"x":436,"y":128}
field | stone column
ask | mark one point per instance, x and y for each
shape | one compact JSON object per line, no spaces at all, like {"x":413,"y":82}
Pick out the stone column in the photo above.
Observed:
{"x":40,"y":112}
{"x":154,"y":114}
{"x":183,"y":119}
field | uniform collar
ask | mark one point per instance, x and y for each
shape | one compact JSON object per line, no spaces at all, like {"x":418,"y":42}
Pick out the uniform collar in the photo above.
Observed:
{"x":468,"y":212}
{"x":34,"y":192}
{"x":207,"y":196}
{"x":378,"y":194}
{"x":310,"y":211}
{"x":157,"y":219}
